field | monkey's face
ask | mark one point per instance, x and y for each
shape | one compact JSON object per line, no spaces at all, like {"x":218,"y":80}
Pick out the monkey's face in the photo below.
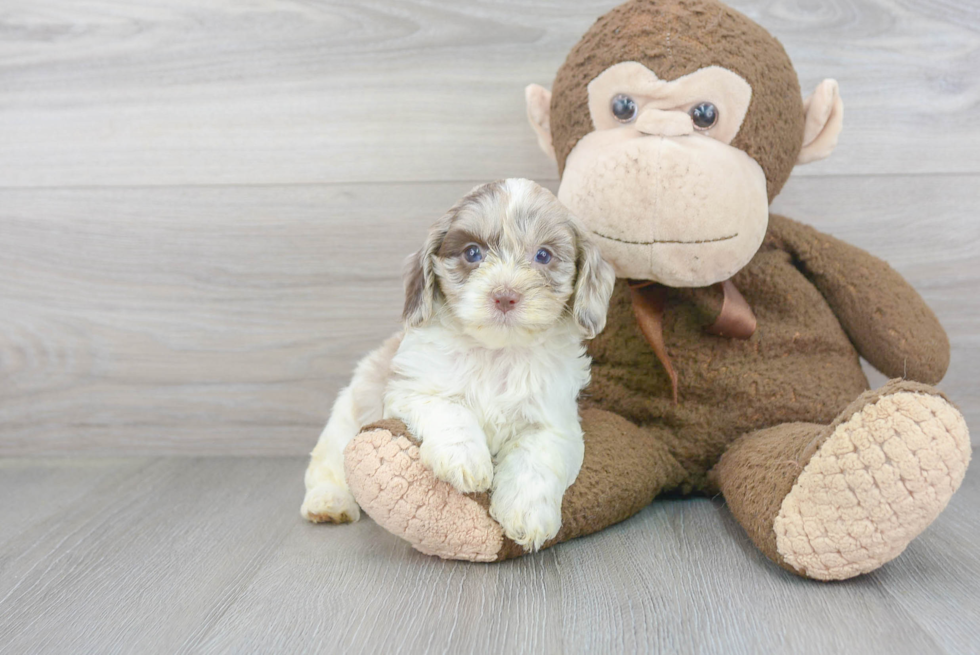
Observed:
{"x":674,"y":123}
{"x":658,"y":182}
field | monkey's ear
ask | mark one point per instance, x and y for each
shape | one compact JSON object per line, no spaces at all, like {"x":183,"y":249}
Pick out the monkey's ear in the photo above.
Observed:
{"x":420,"y":278}
{"x":539,"y":115}
{"x":824,"y":121}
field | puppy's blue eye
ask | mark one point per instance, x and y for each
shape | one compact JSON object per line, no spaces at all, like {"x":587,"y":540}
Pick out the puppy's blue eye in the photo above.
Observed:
{"x":542,"y":256}
{"x":473,"y":254}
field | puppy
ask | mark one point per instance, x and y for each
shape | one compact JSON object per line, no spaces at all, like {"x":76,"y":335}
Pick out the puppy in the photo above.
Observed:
{"x":489,"y":366}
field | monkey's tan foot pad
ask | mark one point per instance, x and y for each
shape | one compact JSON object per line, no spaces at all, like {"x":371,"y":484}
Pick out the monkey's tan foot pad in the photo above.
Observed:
{"x":390,"y":483}
{"x":875,"y":484}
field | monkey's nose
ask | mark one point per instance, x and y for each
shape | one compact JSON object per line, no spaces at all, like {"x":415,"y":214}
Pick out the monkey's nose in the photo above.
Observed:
{"x":657,"y":122}
{"x":506,"y":299}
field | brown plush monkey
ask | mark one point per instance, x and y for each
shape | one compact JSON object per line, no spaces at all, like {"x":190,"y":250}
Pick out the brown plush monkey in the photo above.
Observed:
{"x":730,"y":361}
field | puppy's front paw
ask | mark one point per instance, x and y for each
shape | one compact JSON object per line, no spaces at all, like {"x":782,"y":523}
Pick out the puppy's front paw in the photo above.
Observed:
{"x":528,"y":520}
{"x":466,"y":465}
{"x":329,"y":502}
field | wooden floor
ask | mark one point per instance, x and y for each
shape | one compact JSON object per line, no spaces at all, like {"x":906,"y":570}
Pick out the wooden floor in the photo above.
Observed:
{"x":175,"y":555}
{"x":203,"y":212}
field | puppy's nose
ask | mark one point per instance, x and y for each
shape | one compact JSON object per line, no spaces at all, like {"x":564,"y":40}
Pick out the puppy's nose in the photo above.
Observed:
{"x":506,"y":299}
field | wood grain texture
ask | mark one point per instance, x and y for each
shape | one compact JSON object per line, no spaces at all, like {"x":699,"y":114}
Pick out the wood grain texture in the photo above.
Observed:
{"x":224,"y":319}
{"x":204,"y":208}
{"x":283,"y":92}
{"x":210,"y":556}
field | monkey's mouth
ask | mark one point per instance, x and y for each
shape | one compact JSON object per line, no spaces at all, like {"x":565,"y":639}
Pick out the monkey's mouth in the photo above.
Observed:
{"x":647,"y":243}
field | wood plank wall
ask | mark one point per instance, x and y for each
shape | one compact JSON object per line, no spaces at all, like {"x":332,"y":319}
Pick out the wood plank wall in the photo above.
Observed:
{"x":204,"y":206}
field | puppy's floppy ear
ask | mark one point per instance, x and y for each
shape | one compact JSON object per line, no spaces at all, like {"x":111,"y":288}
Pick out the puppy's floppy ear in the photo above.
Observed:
{"x":593,"y":286}
{"x":420,"y":278}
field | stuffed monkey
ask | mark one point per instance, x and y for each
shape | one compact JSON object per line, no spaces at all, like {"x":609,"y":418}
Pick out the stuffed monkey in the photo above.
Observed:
{"x":730,"y":360}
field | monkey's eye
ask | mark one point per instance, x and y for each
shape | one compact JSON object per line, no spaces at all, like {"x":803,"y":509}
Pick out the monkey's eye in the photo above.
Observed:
{"x":623,"y":108}
{"x":473,"y":254}
{"x":542,"y":256}
{"x":704,"y":115}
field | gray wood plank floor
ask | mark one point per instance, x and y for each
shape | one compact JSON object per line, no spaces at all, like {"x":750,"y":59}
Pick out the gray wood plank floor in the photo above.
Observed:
{"x":174,"y":555}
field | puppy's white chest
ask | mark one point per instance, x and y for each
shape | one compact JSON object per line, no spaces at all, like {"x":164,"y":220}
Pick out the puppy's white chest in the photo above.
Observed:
{"x":508,"y":391}
{"x":516,"y":391}
{"x":502,"y":392}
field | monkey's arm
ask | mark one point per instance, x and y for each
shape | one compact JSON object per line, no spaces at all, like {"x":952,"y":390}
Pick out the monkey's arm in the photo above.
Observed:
{"x":886,"y":319}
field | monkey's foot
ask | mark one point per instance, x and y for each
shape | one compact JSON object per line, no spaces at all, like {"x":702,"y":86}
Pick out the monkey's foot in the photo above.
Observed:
{"x":393,"y":487}
{"x":885,"y":472}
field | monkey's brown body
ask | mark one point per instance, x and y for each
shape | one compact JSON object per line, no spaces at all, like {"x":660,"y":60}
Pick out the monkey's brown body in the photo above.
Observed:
{"x":727,"y":387}
{"x":829,"y":479}
{"x":799,"y":366}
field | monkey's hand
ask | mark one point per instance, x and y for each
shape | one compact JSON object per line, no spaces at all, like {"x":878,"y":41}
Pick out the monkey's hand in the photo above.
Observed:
{"x":886,"y":319}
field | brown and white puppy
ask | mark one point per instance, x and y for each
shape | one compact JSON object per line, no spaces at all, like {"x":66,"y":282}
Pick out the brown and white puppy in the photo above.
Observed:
{"x":489,"y":367}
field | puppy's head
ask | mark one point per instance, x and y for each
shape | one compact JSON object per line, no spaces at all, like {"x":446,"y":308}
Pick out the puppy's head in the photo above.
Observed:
{"x":509,"y":259}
